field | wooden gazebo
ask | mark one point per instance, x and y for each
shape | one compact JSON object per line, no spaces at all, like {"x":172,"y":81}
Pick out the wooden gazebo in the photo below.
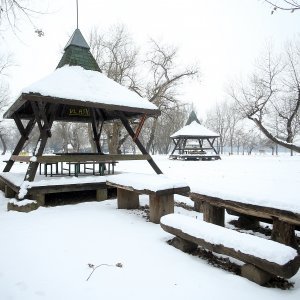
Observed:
{"x":76,"y":91}
{"x":194,"y":142}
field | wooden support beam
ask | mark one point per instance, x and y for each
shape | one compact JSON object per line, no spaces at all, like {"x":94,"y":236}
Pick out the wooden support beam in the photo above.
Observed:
{"x":138,"y":143}
{"x":138,"y":130}
{"x":20,"y":144}
{"x":45,"y":133}
{"x":19,"y":125}
{"x":176,"y":144}
{"x":212,"y":146}
{"x":96,"y":133}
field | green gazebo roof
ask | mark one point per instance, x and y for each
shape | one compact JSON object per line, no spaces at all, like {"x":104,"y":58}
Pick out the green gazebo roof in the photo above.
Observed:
{"x":192,"y":117}
{"x":77,"y":53}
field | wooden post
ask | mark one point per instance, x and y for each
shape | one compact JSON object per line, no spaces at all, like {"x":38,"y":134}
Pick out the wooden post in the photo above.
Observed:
{"x":9,"y":192}
{"x":101,"y":194}
{"x":284,"y":233}
{"x":255,"y":274}
{"x":138,"y":143}
{"x":160,"y":206}
{"x":39,"y":198}
{"x":198,"y":205}
{"x":183,"y":245}
{"x":45,"y":123}
{"x":213,"y":214}
{"x":127,"y":199}
{"x":24,"y":137}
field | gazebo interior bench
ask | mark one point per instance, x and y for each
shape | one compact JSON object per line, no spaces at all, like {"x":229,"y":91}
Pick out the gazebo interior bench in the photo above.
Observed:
{"x":264,"y":259}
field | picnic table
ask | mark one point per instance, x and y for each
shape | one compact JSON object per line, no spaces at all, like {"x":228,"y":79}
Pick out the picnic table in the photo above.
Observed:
{"x":160,"y":189}
{"x":284,"y":221}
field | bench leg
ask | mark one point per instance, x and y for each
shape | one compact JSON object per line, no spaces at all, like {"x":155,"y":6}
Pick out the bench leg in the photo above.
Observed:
{"x":8,"y":192}
{"x":198,"y":205}
{"x":101,"y":194}
{"x":213,"y":214}
{"x":255,"y":274}
{"x":160,"y":206}
{"x":183,"y":245}
{"x":39,"y":198}
{"x":127,"y":199}
{"x":2,"y":185}
{"x":284,"y":233}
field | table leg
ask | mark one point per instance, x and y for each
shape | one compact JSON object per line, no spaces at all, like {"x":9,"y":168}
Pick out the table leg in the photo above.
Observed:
{"x":213,"y":214}
{"x":284,"y":233}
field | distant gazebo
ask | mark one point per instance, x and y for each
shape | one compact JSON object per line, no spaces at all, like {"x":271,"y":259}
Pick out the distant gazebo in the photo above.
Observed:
{"x":194,"y":141}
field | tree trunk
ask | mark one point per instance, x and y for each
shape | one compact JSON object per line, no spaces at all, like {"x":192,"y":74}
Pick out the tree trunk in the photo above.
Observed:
{"x":273,"y":138}
{"x":3,"y":144}
{"x":152,"y":135}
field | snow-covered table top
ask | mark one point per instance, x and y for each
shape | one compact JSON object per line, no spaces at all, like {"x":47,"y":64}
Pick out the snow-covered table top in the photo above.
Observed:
{"x":146,"y":182}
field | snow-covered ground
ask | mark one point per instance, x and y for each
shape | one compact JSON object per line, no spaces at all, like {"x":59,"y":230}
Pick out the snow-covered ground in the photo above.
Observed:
{"x":45,"y":254}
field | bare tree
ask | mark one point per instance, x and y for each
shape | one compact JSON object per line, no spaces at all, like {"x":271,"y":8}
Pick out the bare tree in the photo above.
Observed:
{"x":156,"y":77}
{"x":217,"y":120}
{"x":116,"y":55}
{"x":12,"y":10}
{"x":162,"y":89}
{"x":285,"y":5}
{"x":5,"y":63}
{"x":271,"y":97}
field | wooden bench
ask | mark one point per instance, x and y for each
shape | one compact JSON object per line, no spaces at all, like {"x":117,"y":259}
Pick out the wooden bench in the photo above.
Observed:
{"x":284,"y":221}
{"x":264,"y":258}
{"x":160,"y":189}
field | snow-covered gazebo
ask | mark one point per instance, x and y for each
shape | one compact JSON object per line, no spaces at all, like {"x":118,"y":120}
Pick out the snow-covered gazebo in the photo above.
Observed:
{"x":194,"y":142}
{"x":76,"y":91}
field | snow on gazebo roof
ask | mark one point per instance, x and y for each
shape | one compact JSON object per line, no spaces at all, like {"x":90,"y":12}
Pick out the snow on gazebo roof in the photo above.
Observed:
{"x":77,"y":86}
{"x":76,"y":83}
{"x":194,"y":130}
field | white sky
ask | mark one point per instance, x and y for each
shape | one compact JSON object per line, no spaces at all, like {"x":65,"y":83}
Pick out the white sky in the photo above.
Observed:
{"x":223,"y":36}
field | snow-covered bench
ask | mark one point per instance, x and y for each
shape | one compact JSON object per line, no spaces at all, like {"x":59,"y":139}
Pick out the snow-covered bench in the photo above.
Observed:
{"x":160,"y":189}
{"x":264,"y":258}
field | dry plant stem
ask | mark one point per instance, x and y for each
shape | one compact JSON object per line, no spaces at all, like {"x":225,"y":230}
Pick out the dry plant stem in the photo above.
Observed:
{"x":94,"y":268}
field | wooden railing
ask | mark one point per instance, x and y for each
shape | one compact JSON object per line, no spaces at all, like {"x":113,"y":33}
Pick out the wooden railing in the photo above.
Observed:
{"x":79,"y":158}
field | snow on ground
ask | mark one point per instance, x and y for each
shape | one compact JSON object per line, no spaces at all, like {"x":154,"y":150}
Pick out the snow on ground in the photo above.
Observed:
{"x":45,"y":254}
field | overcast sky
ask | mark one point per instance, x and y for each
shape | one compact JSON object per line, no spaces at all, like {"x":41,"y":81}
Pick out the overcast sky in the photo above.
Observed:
{"x":223,"y":36}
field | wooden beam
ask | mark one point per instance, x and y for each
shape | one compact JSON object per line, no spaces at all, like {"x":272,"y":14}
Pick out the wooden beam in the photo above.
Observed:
{"x":19,"y":125}
{"x":20,"y":144}
{"x":82,"y":158}
{"x":45,"y":133}
{"x":212,"y":146}
{"x":138,"y":143}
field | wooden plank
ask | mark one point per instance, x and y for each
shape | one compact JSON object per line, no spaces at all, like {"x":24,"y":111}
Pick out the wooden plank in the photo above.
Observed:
{"x":250,"y":209}
{"x":67,"y":188}
{"x":81,"y":158}
{"x":287,"y":271}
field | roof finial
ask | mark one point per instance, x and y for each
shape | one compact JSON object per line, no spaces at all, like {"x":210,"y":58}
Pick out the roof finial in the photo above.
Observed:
{"x":77,"y":12}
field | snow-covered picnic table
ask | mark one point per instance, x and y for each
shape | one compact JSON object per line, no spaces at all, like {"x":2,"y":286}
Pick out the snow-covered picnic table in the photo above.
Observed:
{"x":160,"y":189}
